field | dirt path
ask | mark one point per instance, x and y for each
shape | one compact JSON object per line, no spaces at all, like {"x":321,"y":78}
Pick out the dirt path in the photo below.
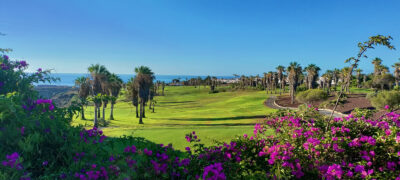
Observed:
{"x":270,"y":102}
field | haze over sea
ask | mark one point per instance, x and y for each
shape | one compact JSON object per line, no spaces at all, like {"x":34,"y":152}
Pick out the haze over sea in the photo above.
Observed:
{"x":68,"y":79}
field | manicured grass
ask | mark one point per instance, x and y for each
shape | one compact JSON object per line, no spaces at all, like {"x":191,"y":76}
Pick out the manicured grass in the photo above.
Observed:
{"x":220,"y":116}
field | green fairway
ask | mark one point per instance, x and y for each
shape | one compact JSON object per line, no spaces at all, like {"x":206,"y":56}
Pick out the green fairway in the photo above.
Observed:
{"x":220,"y":116}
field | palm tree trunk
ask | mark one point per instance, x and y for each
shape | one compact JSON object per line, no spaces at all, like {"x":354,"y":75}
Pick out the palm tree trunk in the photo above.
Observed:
{"x":95,"y":123}
{"x":83,"y":114}
{"x":98,"y":112}
{"x":112,"y":112}
{"x":144,"y":110}
{"x":141,"y":113}
{"x":291,"y":94}
{"x":154,"y":106}
{"x":137,"y":111}
{"x":104,"y":114}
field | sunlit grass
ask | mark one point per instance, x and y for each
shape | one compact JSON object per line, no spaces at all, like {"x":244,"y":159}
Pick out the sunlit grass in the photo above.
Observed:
{"x":219,"y":116}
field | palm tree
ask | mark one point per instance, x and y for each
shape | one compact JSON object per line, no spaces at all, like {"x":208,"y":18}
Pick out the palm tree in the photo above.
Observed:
{"x":358,"y":76}
{"x":376,"y":62}
{"x":144,"y":81}
{"x":328,"y":76}
{"x":312,"y":74}
{"x":345,"y":76}
{"x":98,"y":74}
{"x":133,"y":94}
{"x":105,"y":95}
{"x":294,"y":71}
{"x":115,"y":86}
{"x":280,"y":70}
{"x":83,"y":83}
{"x":382,"y":71}
{"x":396,"y":73}
{"x":335,"y":77}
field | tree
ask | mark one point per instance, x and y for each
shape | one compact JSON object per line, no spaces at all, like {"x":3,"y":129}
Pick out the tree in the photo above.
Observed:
{"x":115,"y":86}
{"x":358,"y":77}
{"x":345,"y":76}
{"x":382,"y":77}
{"x":133,"y":94}
{"x":335,"y":77}
{"x":363,"y":47}
{"x":144,"y":80}
{"x":328,"y":76}
{"x":83,"y":84}
{"x":396,"y":72}
{"x":377,"y":63}
{"x":280,"y":70}
{"x":98,"y":74}
{"x":294,"y":71}
{"x":312,"y":74}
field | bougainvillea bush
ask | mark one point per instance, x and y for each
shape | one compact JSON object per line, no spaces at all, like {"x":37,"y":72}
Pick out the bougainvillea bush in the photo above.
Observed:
{"x":37,"y":142}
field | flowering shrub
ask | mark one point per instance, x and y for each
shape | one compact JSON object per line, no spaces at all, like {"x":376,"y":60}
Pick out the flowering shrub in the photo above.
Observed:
{"x":37,"y":142}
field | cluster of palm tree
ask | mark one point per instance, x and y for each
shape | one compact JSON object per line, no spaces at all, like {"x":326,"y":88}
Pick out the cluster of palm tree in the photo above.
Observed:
{"x":102,"y":87}
{"x":141,"y":90}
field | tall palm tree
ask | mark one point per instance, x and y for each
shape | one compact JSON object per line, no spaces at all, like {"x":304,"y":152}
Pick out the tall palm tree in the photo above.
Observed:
{"x":335,"y":77}
{"x":312,"y":75}
{"x":396,"y":73}
{"x":133,"y":94}
{"x":83,"y":83}
{"x":382,"y":71}
{"x":376,"y":62}
{"x":280,"y":70}
{"x":358,"y":76}
{"x":294,"y":71}
{"x":328,"y":80}
{"x":115,"y":86}
{"x":98,"y":74}
{"x":105,"y":94}
{"x":345,"y":77}
{"x":144,"y":81}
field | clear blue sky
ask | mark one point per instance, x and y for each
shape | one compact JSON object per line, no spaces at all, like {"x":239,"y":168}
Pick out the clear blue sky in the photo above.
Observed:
{"x":195,"y":37}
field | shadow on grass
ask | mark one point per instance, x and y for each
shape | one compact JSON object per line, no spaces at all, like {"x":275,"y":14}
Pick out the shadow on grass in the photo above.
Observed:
{"x":218,"y":119}
{"x":204,"y":125}
{"x":175,"y":102}
{"x":140,"y":143}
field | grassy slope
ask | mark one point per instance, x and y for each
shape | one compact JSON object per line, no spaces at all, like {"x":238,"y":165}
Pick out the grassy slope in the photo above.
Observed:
{"x":219,"y":116}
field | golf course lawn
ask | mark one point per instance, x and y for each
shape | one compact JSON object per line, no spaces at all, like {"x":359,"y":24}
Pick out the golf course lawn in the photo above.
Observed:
{"x":215,"y":117}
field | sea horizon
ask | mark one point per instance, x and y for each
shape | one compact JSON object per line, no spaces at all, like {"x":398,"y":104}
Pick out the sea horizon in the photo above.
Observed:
{"x":68,"y":79}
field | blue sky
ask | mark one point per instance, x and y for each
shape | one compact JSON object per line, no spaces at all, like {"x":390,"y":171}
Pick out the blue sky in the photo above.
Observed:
{"x":196,"y":37}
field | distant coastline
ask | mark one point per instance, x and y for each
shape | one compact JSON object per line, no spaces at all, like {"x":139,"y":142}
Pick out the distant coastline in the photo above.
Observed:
{"x":68,"y":79}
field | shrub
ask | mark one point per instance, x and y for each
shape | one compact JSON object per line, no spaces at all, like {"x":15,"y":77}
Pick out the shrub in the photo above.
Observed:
{"x":311,"y":95}
{"x":381,"y":99}
{"x":301,"y":88}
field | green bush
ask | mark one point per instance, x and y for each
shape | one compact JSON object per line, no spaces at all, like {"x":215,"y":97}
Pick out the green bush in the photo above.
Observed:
{"x":381,"y":99}
{"x":301,"y":88}
{"x":311,"y":95}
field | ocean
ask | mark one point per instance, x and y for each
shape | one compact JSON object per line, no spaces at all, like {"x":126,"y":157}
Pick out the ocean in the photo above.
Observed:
{"x":68,"y":79}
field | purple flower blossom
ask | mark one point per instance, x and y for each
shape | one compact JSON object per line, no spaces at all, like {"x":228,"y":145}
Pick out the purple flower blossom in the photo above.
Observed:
{"x":12,"y":161}
{"x":187,"y":148}
{"x":335,"y":171}
{"x":214,"y":172}
{"x":147,"y":152}
{"x":22,"y":130}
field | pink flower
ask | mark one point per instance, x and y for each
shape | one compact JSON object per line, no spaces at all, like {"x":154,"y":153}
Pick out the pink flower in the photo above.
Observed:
{"x":387,"y":107}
